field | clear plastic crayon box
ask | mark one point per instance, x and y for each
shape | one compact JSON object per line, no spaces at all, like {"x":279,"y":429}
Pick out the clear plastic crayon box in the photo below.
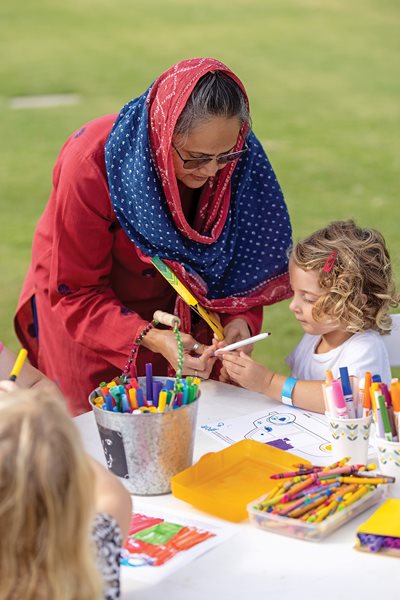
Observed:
{"x":313,"y":532}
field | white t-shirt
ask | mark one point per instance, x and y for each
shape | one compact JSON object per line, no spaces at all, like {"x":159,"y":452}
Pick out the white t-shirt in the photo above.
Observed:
{"x":362,"y":352}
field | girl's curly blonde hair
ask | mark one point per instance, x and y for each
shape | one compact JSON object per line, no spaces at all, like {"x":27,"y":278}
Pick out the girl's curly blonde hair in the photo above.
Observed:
{"x":359,"y":288}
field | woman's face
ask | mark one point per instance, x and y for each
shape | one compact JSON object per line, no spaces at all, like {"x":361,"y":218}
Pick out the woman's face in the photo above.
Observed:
{"x":211,"y":138}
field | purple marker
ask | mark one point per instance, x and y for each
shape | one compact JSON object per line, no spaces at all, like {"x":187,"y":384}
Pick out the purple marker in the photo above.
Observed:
{"x":149,"y":383}
{"x":157,"y":385}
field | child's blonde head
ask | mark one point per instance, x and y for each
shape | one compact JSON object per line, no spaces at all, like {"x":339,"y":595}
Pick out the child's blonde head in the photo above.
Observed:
{"x":46,"y":502}
{"x":359,"y":287}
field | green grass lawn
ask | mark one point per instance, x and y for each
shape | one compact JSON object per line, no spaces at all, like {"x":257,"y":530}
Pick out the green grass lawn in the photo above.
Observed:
{"x":323,"y":82}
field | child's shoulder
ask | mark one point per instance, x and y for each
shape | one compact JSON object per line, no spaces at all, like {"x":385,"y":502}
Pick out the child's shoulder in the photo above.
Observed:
{"x":365,"y":337}
{"x":369,"y":341}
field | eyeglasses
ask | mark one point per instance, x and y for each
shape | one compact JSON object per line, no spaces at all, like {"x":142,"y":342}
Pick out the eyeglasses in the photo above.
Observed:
{"x":195,"y":163}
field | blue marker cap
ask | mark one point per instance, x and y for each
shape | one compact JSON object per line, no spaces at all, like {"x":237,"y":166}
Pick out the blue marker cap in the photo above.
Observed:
{"x":185,"y":395}
{"x":126,"y":407}
{"x":108,"y":402}
{"x":140,"y":397}
{"x":169,"y":385}
{"x":345,"y":380}
{"x":376,"y":379}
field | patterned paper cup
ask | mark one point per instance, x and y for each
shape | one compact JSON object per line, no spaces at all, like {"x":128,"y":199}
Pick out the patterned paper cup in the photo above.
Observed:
{"x":389,"y":458}
{"x":350,"y":437}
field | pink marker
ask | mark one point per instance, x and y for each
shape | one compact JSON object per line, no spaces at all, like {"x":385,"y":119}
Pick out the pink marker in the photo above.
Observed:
{"x":338,"y":399}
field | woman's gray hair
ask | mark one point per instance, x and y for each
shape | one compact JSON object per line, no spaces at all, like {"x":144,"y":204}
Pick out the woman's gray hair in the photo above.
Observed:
{"x":215,"y":95}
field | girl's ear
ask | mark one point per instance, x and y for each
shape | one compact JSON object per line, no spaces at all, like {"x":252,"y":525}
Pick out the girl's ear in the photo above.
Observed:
{"x":363,"y":298}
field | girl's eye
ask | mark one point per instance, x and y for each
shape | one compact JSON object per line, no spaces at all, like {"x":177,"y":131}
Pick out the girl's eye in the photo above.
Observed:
{"x":309,"y":300}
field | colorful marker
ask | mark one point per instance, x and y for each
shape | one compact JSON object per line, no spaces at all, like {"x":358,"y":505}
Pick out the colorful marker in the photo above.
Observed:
{"x":19,"y":363}
{"x":347,"y":392}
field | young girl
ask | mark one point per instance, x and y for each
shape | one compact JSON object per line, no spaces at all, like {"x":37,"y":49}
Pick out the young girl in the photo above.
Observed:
{"x":342,"y":285}
{"x":62,"y":515}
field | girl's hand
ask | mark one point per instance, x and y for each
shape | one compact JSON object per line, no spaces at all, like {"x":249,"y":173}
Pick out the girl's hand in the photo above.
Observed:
{"x":7,"y":386}
{"x":234,"y":331}
{"x":244,"y":371}
{"x":198,"y":359}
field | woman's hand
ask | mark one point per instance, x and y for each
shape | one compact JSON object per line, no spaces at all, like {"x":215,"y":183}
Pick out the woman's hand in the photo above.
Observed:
{"x":198,"y":359}
{"x":235,"y":331}
{"x":245,"y":372}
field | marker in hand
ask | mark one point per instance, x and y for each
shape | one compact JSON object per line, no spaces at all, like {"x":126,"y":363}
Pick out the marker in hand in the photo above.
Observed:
{"x":19,"y":363}
{"x":250,"y":340}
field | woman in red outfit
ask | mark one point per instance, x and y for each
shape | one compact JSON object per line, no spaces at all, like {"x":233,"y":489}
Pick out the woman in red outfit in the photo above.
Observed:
{"x":176,"y":174}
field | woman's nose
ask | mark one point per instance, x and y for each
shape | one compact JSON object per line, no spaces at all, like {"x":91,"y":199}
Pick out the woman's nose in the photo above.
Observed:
{"x":210,"y":169}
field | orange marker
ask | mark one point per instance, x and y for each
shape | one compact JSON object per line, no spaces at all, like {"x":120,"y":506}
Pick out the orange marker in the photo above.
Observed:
{"x":367,"y":394}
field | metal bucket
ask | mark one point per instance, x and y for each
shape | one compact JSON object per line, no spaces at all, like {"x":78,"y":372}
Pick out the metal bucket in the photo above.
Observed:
{"x":147,"y":449}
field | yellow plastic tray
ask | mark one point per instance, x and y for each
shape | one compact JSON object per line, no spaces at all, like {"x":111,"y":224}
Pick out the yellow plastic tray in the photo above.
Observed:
{"x":223,"y":483}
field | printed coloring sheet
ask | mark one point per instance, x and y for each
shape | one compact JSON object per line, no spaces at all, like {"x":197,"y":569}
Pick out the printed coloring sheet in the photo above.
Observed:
{"x":300,"y":432}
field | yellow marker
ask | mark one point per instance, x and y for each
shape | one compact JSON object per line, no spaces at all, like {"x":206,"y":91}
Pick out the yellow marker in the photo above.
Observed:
{"x":19,"y":363}
{"x":132,"y":398}
{"x":147,"y":409}
{"x":209,"y":317}
{"x":162,"y":401}
{"x":111,"y":384}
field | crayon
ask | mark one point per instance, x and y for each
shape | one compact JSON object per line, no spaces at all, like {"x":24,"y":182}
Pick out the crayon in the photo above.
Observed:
{"x":326,"y":511}
{"x":345,"y":470}
{"x":354,"y":497}
{"x":294,"y":473}
{"x":361,"y":480}
{"x":339,"y":463}
{"x":299,"y":512}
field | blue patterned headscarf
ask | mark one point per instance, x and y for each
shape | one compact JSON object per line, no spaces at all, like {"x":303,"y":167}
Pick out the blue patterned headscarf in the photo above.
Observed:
{"x":235,"y":256}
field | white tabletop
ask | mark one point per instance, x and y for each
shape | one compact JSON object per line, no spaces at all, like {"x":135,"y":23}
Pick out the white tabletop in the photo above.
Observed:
{"x":253,"y":562}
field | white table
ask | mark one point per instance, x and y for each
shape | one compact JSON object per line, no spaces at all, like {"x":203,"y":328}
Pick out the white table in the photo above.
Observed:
{"x":253,"y":563}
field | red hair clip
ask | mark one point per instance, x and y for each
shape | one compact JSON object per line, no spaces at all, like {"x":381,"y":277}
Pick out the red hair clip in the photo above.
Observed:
{"x":330,"y":261}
